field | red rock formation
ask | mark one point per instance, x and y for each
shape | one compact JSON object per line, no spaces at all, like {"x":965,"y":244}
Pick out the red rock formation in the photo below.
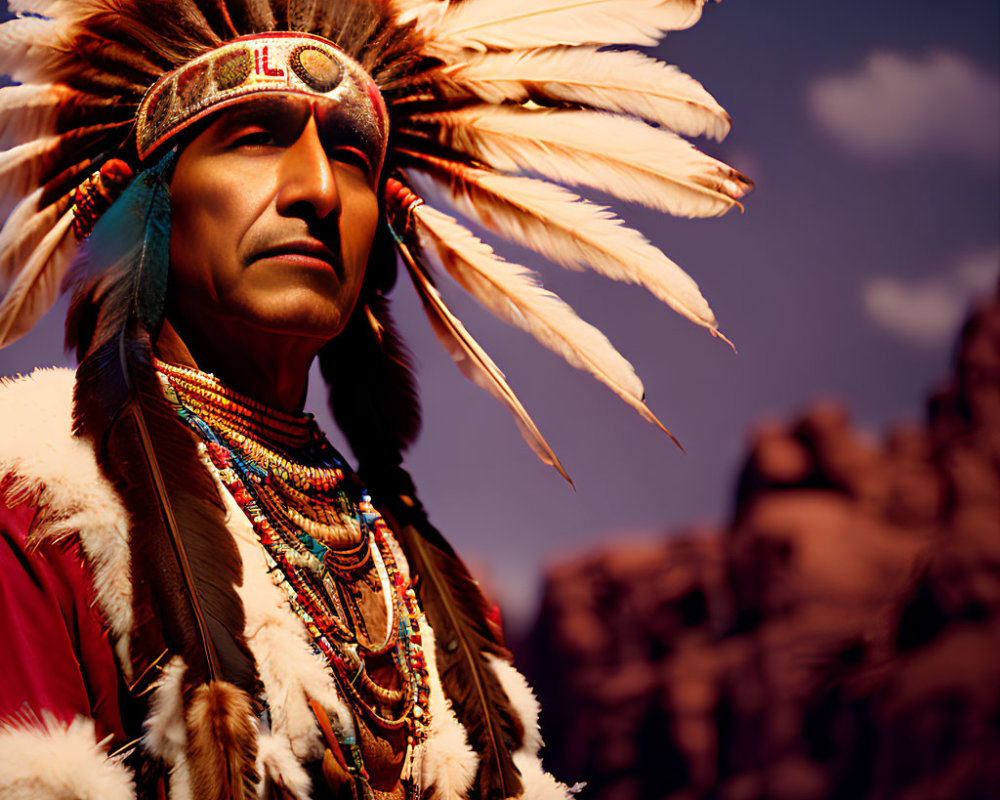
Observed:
{"x":841,"y":639}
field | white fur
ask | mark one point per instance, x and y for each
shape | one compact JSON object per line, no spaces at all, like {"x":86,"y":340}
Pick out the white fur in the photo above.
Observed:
{"x":58,"y":472}
{"x":522,"y":699}
{"x":539,"y":784}
{"x":48,"y":760}
{"x":277,"y":763}
{"x":446,"y":761}
{"x":165,"y":734}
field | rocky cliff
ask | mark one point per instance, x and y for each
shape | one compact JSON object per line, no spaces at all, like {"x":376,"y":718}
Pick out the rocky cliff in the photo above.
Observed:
{"x":840,"y":639}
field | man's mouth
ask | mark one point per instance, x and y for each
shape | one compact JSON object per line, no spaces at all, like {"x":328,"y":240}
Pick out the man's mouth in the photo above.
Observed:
{"x":302,"y":252}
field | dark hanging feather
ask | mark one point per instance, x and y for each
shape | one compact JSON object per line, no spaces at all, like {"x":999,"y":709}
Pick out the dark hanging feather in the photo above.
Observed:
{"x":458,"y":613}
{"x":372,"y":390}
{"x":373,"y":395}
{"x":185,"y":564}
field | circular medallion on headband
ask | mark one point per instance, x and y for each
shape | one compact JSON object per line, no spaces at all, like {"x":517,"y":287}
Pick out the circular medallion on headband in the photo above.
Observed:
{"x":316,"y":68}
{"x":270,"y":63}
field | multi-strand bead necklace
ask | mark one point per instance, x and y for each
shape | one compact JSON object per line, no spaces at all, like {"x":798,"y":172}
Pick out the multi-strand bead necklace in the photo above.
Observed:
{"x":324,"y":543}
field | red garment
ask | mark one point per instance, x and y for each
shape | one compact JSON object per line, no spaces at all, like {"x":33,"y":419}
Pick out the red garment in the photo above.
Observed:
{"x":55,"y":655}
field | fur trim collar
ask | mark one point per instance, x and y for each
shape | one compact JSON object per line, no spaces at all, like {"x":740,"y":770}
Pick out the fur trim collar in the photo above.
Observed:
{"x":41,"y":462}
{"x":44,"y":464}
{"x":47,"y":760}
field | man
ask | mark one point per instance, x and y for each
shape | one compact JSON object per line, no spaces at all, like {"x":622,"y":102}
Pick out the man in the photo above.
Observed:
{"x":201,"y":598}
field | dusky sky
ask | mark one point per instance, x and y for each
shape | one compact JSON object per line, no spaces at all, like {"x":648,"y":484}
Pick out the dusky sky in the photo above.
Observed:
{"x":872,"y":131}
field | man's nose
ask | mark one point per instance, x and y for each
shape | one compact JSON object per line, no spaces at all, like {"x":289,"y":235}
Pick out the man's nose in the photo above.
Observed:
{"x":306,"y":175}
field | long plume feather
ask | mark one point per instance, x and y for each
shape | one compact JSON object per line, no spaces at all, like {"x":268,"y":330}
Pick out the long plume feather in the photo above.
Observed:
{"x":623,"y":157}
{"x":30,"y":48}
{"x":623,"y":82}
{"x":22,"y":232}
{"x":26,"y":155}
{"x":569,"y":231}
{"x":522,"y":24}
{"x":30,"y":111}
{"x":474,"y":362}
{"x":510,"y":293}
{"x":37,"y":284}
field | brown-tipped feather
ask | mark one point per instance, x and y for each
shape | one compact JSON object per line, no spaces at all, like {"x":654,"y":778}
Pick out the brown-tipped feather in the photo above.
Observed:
{"x":221,"y":742}
{"x":23,"y":230}
{"x":23,"y":168}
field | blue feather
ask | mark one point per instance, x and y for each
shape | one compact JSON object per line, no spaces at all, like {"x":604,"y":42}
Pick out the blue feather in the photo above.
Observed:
{"x":130,"y":244}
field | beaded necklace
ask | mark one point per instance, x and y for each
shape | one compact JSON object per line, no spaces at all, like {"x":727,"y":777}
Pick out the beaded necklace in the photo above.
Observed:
{"x":324,"y":545}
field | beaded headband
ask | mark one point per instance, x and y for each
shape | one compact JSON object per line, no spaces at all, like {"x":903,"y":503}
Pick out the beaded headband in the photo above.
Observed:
{"x":273,"y":63}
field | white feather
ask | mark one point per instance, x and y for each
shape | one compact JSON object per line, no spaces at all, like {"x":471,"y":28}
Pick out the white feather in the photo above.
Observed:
{"x":510,"y":292}
{"x":21,"y":169}
{"x":20,"y":234}
{"x":31,"y":6}
{"x":572,"y":232}
{"x":406,"y":10}
{"x":625,"y":82}
{"x":523,"y":24}
{"x":474,"y":362}
{"x":37,"y":285}
{"x":621,"y":156}
{"x":25,"y":153}
{"x":29,"y":111}
{"x":30,"y":48}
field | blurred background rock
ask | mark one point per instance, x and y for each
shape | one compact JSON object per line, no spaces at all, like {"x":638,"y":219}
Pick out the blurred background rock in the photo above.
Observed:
{"x":839,"y":639}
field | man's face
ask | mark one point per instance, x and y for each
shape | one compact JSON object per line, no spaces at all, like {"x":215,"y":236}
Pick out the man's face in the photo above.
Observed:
{"x":273,"y":215}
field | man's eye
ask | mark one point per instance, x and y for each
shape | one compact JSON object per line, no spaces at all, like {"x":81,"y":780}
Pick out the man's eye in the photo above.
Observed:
{"x":255,"y":139}
{"x":354,"y":158}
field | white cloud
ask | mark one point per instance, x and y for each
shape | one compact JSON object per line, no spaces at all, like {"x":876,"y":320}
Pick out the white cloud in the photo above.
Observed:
{"x":895,"y":108}
{"x":927,"y":312}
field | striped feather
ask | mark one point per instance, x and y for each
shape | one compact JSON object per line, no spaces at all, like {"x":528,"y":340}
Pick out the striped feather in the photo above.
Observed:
{"x":22,"y":168}
{"x":510,"y":292}
{"x":523,"y":24}
{"x":570,"y":231}
{"x":37,"y":285}
{"x":23,"y":230}
{"x":25,"y":166}
{"x":624,"y":82}
{"x":623,"y":157}
{"x":30,"y":111}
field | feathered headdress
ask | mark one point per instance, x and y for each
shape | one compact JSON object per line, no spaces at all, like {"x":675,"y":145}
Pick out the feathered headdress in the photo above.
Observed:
{"x":497,"y":106}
